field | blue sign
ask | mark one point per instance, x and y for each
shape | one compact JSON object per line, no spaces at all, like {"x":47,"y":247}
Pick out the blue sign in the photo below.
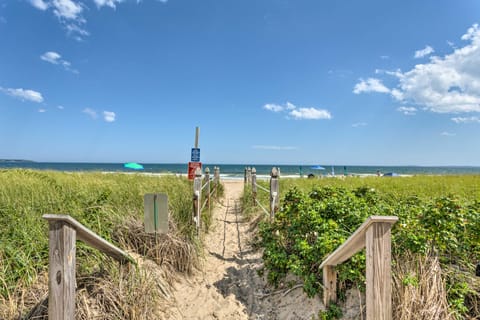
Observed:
{"x":195,"y":155}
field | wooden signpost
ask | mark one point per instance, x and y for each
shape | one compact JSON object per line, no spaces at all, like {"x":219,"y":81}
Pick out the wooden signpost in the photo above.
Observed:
{"x":156,"y":213}
{"x":194,"y":163}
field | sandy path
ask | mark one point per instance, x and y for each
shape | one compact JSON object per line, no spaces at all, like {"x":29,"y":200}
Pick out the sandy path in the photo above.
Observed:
{"x":228,"y":286}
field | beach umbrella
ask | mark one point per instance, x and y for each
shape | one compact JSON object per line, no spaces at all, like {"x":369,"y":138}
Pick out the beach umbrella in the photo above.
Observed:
{"x":317,"y":168}
{"x":133,"y":165}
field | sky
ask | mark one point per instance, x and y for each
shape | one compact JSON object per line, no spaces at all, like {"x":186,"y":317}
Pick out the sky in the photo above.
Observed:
{"x":266,"y":81}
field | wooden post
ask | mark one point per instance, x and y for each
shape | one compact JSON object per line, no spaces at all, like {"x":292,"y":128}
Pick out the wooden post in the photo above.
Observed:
{"x":216,"y":175}
{"x":378,"y":263}
{"x":245,"y":177}
{"x":254,"y":186}
{"x":61,"y":272}
{"x":329,"y":284}
{"x":249,"y":175}
{"x":197,"y":198}
{"x":207,"y":177}
{"x":274,"y":193}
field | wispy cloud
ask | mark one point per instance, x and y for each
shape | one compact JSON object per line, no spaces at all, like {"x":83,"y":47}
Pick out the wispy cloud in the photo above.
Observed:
{"x":91,"y":113}
{"x":385,"y":57}
{"x":408,"y":111}
{"x":55,"y":58}
{"x":297,"y":113}
{"x":262,"y":147}
{"x":108,"y":3}
{"x":359,"y":124}
{"x":39,"y":4}
{"x":448,"y":134}
{"x":448,"y":84}
{"x":370,"y":85}
{"x":310,"y":114}
{"x":23,"y":94}
{"x":109,"y":116}
{"x":424,"y":52}
{"x":466,"y":119}
{"x":42,"y":110}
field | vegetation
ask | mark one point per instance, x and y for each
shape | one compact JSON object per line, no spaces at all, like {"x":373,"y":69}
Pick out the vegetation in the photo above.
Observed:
{"x":109,"y":204}
{"x":438,"y":229}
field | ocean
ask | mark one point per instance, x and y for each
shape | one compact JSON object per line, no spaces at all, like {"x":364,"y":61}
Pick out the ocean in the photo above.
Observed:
{"x":237,"y":170}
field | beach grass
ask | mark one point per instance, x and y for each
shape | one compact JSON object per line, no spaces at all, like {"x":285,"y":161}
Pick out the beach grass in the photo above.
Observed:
{"x":102,"y":202}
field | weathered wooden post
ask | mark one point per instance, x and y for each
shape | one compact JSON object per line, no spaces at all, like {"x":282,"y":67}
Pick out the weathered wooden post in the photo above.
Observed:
{"x":216,"y":177}
{"x":61,"y":272}
{"x":245,"y":177}
{"x":378,"y":274}
{"x":249,"y":175}
{"x":254,"y":186}
{"x":197,"y":198}
{"x":274,"y":193}
{"x":207,"y":177}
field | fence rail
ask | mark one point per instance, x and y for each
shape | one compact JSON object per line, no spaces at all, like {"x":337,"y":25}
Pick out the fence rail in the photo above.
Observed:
{"x":375,"y":235}
{"x":198,"y":205}
{"x":63,"y":233}
{"x":274,"y":203}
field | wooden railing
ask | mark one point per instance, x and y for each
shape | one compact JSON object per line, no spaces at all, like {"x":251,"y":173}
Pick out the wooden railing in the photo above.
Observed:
{"x":63,"y":233}
{"x":251,"y":177}
{"x":375,"y":235}
{"x":198,"y":206}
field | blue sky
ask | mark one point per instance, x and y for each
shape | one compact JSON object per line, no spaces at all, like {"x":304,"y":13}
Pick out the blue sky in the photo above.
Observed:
{"x":268,"y":82}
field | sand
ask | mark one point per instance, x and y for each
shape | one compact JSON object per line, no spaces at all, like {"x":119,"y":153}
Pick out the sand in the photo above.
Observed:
{"x":227,"y":286}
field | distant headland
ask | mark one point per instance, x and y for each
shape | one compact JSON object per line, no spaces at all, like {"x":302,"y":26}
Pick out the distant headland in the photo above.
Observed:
{"x":16,"y":160}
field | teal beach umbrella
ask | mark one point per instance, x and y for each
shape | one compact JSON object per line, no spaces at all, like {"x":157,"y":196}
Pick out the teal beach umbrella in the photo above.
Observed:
{"x":133,"y":165}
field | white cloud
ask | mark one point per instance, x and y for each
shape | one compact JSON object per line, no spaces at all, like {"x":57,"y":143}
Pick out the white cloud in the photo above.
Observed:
{"x":408,"y":111}
{"x":108,"y":3}
{"x":299,"y":113}
{"x":274,"y":147}
{"x":51,"y":56}
{"x":449,"y":84}
{"x":60,"y":107}
{"x":310,"y":114}
{"x":92,"y":113}
{"x":466,"y":119}
{"x":109,"y":116}
{"x":384,"y":57}
{"x":273,"y":107}
{"x":67,"y":9}
{"x":359,"y":124}
{"x":42,"y":110}
{"x":370,"y":85}
{"x":447,"y":134}
{"x":39,"y":4}
{"x":424,"y":52}
{"x":23,"y":94}
{"x":55,"y":58}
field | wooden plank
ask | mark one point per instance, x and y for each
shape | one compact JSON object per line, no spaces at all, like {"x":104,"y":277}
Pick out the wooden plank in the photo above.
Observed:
{"x":274,"y":192}
{"x":89,"y":237}
{"x":378,"y":293}
{"x":356,"y":241}
{"x":61,"y":272}
{"x":330,"y":285}
{"x":156,"y":202}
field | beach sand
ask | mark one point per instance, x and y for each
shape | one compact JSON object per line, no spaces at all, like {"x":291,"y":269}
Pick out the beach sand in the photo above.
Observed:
{"x":228,"y":285}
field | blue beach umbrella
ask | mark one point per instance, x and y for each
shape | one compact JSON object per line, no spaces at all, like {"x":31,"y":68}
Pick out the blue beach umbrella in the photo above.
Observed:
{"x":133,"y":165}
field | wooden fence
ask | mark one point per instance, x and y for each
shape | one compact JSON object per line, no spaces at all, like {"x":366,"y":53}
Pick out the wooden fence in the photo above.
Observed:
{"x":63,"y":233}
{"x":251,"y":177}
{"x":198,"y":205}
{"x":374,"y":235}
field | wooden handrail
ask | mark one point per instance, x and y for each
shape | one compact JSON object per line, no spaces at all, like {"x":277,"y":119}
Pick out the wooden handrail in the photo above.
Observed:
{"x":62,"y":235}
{"x":375,"y":235}
{"x":89,"y":237}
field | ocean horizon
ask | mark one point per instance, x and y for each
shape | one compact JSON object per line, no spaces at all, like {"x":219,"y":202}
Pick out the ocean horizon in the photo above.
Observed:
{"x":237,"y":170}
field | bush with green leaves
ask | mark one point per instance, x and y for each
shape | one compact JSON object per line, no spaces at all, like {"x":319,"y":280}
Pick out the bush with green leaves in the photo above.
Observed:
{"x":313,"y":222}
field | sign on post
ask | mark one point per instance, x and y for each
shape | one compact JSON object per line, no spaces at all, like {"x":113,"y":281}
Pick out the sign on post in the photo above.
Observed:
{"x":192,"y":167}
{"x":195,"y":155}
{"x":156,"y":212}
